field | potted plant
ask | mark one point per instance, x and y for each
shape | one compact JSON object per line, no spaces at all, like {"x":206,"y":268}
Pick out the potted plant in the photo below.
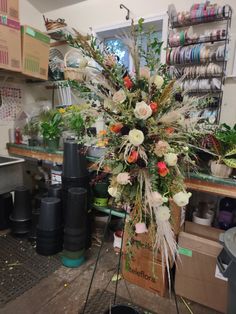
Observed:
{"x":75,"y":122}
{"x":31,"y":129}
{"x":51,"y":126}
{"x":100,"y":185}
{"x":223,"y":146}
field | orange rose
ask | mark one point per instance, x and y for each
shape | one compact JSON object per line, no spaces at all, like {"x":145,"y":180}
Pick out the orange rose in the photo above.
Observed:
{"x":116,"y":127}
{"x":127,"y":82}
{"x":133,"y":157}
{"x":169,"y":130}
{"x":162,"y":169}
{"x":154,"y":106}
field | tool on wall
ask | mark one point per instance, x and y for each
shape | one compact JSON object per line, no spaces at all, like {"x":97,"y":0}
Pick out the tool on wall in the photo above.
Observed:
{"x":122,"y":6}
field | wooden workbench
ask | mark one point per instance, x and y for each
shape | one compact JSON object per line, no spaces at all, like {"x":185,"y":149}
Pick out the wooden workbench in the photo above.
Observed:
{"x":197,"y":181}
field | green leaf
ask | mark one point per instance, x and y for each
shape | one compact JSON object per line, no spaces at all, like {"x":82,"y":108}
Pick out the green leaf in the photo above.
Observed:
{"x":118,"y":169}
{"x":231,"y":152}
{"x":230,"y":162}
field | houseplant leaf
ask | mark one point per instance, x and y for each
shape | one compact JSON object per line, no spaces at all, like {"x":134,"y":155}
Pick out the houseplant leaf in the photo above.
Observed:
{"x":231,"y":152}
{"x":230,"y":162}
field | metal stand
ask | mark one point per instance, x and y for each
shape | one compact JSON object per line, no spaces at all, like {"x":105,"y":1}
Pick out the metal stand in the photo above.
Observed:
{"x":97,"y":259}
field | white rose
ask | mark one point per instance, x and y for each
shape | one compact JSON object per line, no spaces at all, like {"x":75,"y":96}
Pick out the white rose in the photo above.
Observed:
{"x":144,"y":72}
{"x":142,"y":111}
{"x":83,"y":63}
{"x":119,"y":96}
{"x":171,"y":159}
{"x":182,"y":198}
{"x":123,"y":178}
{"x":113,"y":191}
{"x":136,"y":137}
{"x":157,"y":80}
{"x":163,"y":213}
{"x":156,"y":199}
{"x":140,"y":227}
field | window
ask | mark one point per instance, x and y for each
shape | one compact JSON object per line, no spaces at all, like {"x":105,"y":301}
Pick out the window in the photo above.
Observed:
{"x":110,"y":38}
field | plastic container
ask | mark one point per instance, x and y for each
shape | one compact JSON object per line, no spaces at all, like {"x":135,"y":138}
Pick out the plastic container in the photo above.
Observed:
{"x":22,"y":205}
{"x":55,"y":190}
{"x":74,"y":163}
{"x":206,"y":220}
{"x":124,"y":309}
{"x":76,"y":209}
{"x":6,"y":208}
{"x":50,"y":217}
{"x":72,"y":263}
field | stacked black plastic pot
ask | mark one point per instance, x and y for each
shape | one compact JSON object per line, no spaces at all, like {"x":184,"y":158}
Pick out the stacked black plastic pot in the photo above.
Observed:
{"x":75,"y":232}
{"x":22,"y":212}
{"x":49,"y":239}
{"x":75,"y":190}
{"x":6,"y":208}
{"x":75,"y":173}
{"x":35,"y":216}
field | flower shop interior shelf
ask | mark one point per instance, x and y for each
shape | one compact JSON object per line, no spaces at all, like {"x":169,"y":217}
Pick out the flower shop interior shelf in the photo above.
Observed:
{"x":197,"y":52}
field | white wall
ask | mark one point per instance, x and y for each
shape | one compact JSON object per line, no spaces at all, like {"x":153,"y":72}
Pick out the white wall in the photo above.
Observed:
{"x":29,"y":15}
{"x":102,"y":13}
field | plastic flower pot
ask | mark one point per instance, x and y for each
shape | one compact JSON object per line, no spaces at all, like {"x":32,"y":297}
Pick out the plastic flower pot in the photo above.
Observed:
{"x":100,"y":190}
{"x":6,"y":208}
{"x":49,"y":242}
{"x":35,"y":220}
{"x":51,"y":144}
{"x":74,"y":163}
{"x":220,"y":170}
{"x":124,"y":309}
{"x":76,"y":209}
{"x":72,"y":263}
{"x":33,"y":142}
{"x":117,"y":239}
{"x":50,"y":217}
{"x":73,"y":255}
{"x":55,"y":190}
{"x":21,"y":214}
{"x":22,"y":204}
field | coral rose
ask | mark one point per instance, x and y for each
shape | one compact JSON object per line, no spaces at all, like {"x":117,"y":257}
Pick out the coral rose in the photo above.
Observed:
{"x":162,"y":169}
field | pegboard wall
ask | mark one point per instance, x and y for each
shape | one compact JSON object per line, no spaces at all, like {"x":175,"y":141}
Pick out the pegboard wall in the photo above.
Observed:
{"x":11,"y":102}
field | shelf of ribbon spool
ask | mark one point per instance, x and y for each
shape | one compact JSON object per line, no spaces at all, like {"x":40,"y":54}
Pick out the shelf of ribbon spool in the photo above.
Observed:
{"x":211,"y":41}
{"x":202,"y":20}
{"x":196,"y":62}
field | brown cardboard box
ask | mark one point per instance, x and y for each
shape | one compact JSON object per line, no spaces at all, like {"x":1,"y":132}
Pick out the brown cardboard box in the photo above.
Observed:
{"x":146,"y":274}
{"x":10,"y":8}
{"x":10,"y":44}
{"x":35,"y":52}
{"x":196,"y":277}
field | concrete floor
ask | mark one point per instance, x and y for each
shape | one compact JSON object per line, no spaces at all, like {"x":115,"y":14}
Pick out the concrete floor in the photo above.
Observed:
{"x":64,"y":291}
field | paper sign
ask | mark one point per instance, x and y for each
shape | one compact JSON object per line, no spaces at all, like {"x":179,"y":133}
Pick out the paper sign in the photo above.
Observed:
{"x":185,"y":251}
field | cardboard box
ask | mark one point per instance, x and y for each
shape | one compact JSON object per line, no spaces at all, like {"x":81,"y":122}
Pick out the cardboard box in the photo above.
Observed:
{"x":10,"y":44}
{"x":197,"y":275}
{"x":10,"y":8}
{"x":35,"y":52}
{"x":146,"y":274}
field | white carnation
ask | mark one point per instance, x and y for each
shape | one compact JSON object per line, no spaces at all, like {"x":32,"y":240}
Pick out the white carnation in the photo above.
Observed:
{"x":163,"y":213}
{"x":171,"y":159}
{"x":123,"y":178}
{"x":156,"y":199}
{"x":182,"y":198}
{"x":136,"y":137}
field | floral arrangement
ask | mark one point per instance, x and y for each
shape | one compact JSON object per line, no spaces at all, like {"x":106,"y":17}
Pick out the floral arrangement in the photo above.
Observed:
{"x":150,"y":133}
